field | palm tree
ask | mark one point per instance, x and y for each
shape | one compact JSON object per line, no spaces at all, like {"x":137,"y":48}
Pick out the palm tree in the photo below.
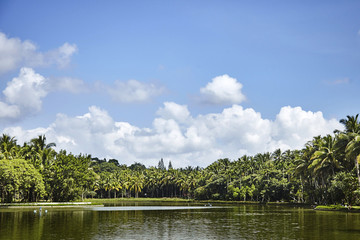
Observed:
{"x":348,"y":142}
{"x":351,"y":124}
{"x":8,"y":147}
{"x":260,"y":159}
{"x":137,"y":183}
{"x":280,"y":160}
{"x":181,"y":182}
{"x":42,"y":152}
{"x":301,"y":167}
{"x":352,"y":149}
{"x":108,"y":183}
{"x":247,"y":165}
{"x":192,"y":181}
{"x":152,"y":181}
{"x":117,"y":178}
{"x":325,"y":159}
{"x":40,"y":143}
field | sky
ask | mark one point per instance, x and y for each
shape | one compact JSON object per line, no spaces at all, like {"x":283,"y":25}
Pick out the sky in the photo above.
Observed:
{"x":186,"y":81}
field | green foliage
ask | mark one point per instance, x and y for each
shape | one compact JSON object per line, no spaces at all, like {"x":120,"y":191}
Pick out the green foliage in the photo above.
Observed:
{"x":325,"y":171}
{"x":70,"y":177}
{"x":20,"y":181}
{"x":343,"y":188}
{"x":114,"y":161}
{"x":103,"y":166}
{"x":8,"y":147}
{"x":137,"y":167}
{"x":200,"y":193}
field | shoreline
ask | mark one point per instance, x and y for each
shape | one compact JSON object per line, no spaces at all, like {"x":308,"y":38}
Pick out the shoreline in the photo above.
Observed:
{"x":95,"y":202}
{"x":49,"y":204}
{"x":100,"y":202}
{"x":338,"y":208}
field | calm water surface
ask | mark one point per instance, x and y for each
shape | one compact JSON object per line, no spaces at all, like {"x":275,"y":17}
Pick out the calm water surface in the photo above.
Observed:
{"x":178,"y":222}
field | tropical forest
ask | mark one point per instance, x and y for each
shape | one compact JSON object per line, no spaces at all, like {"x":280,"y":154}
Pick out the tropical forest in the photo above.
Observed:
{"x":324,"y":171}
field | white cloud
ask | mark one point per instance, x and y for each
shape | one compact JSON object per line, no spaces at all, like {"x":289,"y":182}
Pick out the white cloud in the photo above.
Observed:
{"x":293,"y":125}
{"x":184,"y":139}
{"x":223,"y":90}
{"x":23,"y":135}
{"x":133,"y":91}
{"x":237,"y":128}
{"x":62,"y":55}
{"x":8,"y":111}
{"x":15,"y":53}
{"x":26,"y":90}
{"x":68,"y":84}
{"x":171,"y":110}
{"x":24,"y":94}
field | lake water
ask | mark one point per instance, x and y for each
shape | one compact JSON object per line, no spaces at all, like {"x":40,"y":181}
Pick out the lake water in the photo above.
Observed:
{"x":155,"y":221}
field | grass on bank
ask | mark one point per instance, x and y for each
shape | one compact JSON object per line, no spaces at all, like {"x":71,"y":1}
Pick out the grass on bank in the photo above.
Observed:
{"x":337,"y":208}
{"x":182,"y":200}
{"x":47,"y":204}
{"x":101,"y":201}
{"x":111,"y":200}
{"x":92,"y":201}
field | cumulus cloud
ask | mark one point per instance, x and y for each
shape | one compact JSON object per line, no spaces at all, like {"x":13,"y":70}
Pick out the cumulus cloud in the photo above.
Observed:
{"x":26,"y":90}
{"x":15,"y":53}
{"x":133,"y":91}
{"x":8,"y":111}
{"x":24,"y":94}
{"x":293,"y":125}
{"x":23,"y":135}
{"x":171,"y":110}
{"x":184,"y":139}
{"x":222,"y":90}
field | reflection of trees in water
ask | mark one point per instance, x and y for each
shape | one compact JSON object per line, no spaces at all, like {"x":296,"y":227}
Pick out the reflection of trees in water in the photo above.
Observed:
{"x":21,"y":225}
{"x":55,"y":224}
{"x":235,"y":222}
{"x":76,"y":223}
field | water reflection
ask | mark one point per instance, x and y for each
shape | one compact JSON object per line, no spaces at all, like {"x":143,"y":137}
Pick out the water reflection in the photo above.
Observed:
{"x":179,"y":222}
{"x":150,"y":208}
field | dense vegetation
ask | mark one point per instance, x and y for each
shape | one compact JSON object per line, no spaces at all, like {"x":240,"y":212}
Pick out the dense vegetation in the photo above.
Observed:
{"x":325,"y":171}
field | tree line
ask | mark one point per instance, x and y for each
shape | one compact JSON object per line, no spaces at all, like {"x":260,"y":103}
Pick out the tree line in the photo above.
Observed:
{"x":324,"y":171}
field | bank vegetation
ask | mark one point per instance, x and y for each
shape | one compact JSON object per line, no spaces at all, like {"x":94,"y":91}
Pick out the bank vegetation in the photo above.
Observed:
{"x":325,"y":171}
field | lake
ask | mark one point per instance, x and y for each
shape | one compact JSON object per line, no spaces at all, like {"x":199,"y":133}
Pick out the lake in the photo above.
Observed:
{"x":179,"y":221}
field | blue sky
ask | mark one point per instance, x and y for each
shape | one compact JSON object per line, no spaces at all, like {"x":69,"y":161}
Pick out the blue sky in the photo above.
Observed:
{"x":189,"y":81}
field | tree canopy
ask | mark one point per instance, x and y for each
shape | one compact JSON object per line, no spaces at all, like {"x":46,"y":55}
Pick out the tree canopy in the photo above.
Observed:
{"x":325,"y":170}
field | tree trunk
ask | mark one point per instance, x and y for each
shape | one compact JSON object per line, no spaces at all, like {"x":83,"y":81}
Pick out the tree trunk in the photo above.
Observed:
{"x":357,"y":168}
{"x":302,"y":189}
